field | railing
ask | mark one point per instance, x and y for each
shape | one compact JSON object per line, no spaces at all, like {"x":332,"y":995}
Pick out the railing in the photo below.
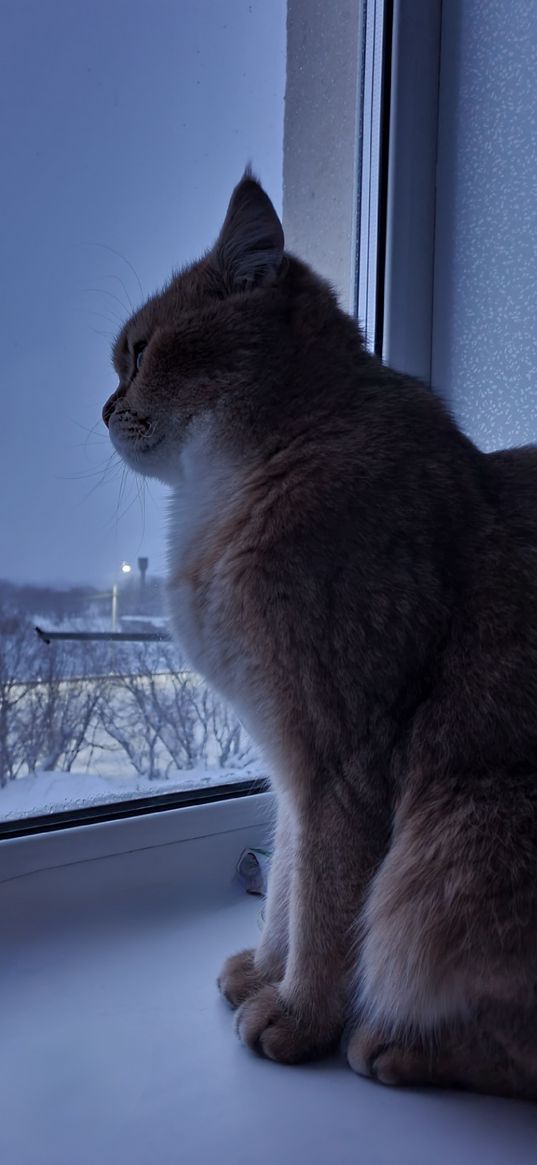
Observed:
{"x":124,"y":636}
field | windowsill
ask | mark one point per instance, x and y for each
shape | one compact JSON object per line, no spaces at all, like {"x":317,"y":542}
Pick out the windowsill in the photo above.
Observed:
{"x":116,"y":1048}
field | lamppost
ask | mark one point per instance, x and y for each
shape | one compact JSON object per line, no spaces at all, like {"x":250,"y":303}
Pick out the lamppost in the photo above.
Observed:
{"x":143,"y":564}
{"x":125,"y":569}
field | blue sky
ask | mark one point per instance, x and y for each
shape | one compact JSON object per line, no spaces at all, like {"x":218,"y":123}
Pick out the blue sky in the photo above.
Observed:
{"x":128,"y":124}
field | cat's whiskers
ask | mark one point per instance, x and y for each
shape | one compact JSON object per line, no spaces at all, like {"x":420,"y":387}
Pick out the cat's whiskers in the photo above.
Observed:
{"x":90,"y":473}
{"x":121,"y":283}
{"x":98,"y":443}
{"x":118,"y":516}
{"x":140,"y":487}
{"x":108,"y":336}
{"x":94,"y":436}
{"x":105,"y":477}
{"x":121,"y":491}
{"x":105,"y":247}
{"x":111,"y":295}
{"x":110,"y":318}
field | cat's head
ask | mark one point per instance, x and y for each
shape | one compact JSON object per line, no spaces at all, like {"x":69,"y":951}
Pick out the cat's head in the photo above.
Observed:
{"x":198,"y":339}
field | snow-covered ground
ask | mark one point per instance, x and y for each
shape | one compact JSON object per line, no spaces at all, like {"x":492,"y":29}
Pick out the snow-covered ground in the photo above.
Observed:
{"x":54,"y":792}
{"x":96,"y":722}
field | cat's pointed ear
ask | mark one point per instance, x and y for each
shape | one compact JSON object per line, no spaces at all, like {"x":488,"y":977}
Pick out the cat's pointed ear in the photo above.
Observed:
{"x":249,"y":249}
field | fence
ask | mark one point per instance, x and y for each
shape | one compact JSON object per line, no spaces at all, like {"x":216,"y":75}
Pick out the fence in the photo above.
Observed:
{"x":108,"y":706}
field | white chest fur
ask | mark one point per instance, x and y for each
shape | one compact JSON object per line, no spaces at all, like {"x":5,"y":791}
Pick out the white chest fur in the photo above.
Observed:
{"x":206,"y":527}
{"x":204,"y":499}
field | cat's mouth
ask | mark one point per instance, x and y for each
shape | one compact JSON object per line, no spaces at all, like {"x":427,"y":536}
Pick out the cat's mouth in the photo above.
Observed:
{"x":133,"y":435}
{"x":148,"y":445}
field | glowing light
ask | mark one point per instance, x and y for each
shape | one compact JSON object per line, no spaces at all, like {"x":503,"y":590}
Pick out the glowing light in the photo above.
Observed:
{"x":126,"y":567}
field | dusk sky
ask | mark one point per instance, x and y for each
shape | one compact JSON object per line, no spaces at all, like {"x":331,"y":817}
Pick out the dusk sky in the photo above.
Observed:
{"x":126,"y":123}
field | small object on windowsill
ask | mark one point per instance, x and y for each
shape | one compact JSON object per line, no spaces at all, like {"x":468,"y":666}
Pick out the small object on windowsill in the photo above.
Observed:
{"x":252,"y":869}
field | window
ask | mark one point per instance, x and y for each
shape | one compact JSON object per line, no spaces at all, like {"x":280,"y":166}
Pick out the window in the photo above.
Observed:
{"x":124,"y":147}
{"x":129,"y":124}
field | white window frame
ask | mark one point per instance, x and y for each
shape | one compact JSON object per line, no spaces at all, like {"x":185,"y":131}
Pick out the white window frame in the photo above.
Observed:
{"x":408,"y":277}
{"x":241,"y":822}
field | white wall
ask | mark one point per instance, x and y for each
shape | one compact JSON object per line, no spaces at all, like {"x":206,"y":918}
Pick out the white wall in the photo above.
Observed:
{"x":485,"y":294}
{"x":320,"y":137}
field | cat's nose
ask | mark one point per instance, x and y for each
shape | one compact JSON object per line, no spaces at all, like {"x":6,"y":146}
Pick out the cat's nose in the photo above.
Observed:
{"x":108,"y":410}
{"x":111,"y":404}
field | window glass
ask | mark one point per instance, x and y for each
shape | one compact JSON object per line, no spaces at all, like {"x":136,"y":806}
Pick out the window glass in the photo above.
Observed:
{"x":129,"y":123}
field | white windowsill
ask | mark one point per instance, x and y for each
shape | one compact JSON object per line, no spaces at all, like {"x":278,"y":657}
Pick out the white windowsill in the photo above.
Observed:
{"x":116,"y":1048}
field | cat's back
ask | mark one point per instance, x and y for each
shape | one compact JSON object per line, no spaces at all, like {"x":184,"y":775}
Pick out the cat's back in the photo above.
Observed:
{"x":513,"y":474}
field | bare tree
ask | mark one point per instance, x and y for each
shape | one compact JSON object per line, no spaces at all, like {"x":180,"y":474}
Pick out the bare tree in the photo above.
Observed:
{"x":182,"y":731}
{"x":234,"y":745}
{"x":17,"y":665}
{"x":196,"y":726}
{"x":154,"y":717}
{"x":170,"y":720}
{"x":58,"y":703}
{"x":47,"y":714}
{"x":130,"y":715}
{"x":58,"y":713}
{"x":58,"y":716}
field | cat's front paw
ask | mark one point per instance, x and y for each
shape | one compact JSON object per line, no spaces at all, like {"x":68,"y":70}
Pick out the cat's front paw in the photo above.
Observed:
{"x":239,"y":978}
{"x":267,"y":1024}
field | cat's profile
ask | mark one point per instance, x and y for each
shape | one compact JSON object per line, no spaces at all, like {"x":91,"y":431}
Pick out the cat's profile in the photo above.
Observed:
{"x":360,"y":581}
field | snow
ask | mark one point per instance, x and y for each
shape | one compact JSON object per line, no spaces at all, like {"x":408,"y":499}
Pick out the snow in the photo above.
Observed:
{"x":52,"y":792}
{"x":128,"y":720}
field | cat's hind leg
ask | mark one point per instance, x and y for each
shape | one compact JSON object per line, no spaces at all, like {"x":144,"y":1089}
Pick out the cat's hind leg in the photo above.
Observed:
{"x":448,"y":935}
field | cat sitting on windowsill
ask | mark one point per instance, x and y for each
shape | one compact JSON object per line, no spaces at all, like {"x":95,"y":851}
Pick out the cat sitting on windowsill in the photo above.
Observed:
{"x":360,"y":581}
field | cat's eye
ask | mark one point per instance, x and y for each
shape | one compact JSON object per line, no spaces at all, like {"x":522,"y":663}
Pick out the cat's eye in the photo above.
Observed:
{"x":139,"y":355}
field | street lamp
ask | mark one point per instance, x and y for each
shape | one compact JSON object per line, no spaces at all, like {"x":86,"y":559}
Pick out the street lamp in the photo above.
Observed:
{"x":143,"y":564}
{"x":125,"y":569}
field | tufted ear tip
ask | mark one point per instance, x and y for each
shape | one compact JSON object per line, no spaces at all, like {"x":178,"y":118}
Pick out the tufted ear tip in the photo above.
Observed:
{"x":250,"y":247}
{"x":249,"y":173}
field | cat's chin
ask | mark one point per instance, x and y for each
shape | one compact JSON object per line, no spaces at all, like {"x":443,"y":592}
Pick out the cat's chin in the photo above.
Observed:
{"x":148,"y":458}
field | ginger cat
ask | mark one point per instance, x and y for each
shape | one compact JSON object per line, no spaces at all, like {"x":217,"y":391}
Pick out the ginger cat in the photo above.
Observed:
{"x":360,"y":581}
